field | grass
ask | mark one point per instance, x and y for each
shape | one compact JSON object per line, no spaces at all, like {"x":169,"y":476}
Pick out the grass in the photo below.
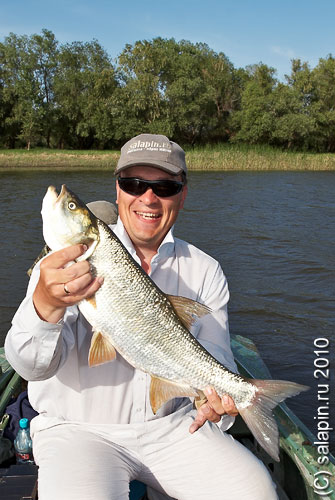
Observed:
{"x":214,"y":158}
{"x":41,"y":158}
{"x":244,"y":157}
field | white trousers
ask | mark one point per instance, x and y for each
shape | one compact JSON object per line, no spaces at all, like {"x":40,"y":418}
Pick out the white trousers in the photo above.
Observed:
{"x":85,"y":462}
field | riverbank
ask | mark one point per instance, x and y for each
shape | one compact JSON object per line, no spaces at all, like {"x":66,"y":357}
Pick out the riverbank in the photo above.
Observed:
{"x":209,"y":158}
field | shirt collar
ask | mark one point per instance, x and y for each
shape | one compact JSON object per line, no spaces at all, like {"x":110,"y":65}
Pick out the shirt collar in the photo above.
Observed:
{"x":166,"y":248}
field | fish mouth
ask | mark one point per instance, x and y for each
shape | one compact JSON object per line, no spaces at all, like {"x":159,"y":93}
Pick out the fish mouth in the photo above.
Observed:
{"x":54,"y":196}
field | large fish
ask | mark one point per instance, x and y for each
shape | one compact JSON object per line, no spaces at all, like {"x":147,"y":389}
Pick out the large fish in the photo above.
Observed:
{"x":130,"y":314}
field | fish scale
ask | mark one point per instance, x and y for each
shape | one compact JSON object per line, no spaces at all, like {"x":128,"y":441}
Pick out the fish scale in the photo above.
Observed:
{"x":149,"y":329}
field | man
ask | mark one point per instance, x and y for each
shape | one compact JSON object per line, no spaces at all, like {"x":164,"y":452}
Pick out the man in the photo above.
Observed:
{"x":95,"y":430}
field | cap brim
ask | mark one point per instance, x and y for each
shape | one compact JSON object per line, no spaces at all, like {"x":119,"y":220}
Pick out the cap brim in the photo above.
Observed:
{"x":162,"y":165}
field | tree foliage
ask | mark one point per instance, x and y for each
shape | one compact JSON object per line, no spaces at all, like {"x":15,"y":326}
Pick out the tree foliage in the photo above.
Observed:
{"x":83,"y":85}
{"x":74,"y":96}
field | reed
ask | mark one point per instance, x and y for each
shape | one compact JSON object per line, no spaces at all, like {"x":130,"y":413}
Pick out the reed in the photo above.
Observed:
{"x":40,"y":159}
{"x":243,"y":157}
{"x":231,"y":157}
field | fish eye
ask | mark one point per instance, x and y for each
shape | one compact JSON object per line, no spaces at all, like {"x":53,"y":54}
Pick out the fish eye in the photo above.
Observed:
{"x":72,"y":205}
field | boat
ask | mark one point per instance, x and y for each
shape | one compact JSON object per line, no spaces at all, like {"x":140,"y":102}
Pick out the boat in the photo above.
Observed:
{"x":298,"y":475}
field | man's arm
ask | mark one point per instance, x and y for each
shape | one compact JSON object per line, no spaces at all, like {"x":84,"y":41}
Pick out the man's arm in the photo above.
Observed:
{"x":41,"y":336}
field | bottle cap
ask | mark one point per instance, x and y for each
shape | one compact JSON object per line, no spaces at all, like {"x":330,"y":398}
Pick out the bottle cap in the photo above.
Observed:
{"x":24,"y":423}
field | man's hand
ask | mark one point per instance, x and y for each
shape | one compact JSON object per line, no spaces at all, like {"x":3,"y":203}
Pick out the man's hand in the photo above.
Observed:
{"x":50,"y":297}
{"x":213,"y":409}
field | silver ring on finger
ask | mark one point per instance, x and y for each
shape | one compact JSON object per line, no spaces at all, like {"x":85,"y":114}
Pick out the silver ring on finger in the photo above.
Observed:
{"x":66,"y":290}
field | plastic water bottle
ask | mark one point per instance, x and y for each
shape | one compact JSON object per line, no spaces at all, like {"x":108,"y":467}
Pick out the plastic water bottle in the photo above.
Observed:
{"x":23,"y":444}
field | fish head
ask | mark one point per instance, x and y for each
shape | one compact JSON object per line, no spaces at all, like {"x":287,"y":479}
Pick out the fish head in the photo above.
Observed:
{"x":67,"y":221}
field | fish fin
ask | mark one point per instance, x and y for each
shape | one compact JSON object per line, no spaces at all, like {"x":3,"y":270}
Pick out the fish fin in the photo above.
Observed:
{"x":258,"y":415}
{"x":161,"y":390}
{"x":188,"y":310}
{"x":101,"y":350}
{"x":91,"y":300}
{"x":200,"y":399}
{"x":45,"y":250}
{"x":91,"y":246}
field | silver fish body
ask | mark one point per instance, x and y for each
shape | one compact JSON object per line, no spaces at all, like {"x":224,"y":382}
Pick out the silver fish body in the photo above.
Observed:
{"x":131,"y":315}
{"x":145,"y":329}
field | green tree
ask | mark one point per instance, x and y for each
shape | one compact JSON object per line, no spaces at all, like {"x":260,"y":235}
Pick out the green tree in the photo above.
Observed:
{"x":45,"y":53}
{"x":312,"y":121}
{"x":224,"y":85}
{"x":255,"y":121}
{"x":4,"y":105}
{"x":141,"y":101}
{"x":323,"y":108}
{"x":83,"y":86}
{"x":300,"y":79}
{"x":72,"y":95}
{"x":21,"y":90}
{"x":27,"y":68}
{"x":293,"y":124}
{"x":190,"y":98}
{"x":178,"y":88}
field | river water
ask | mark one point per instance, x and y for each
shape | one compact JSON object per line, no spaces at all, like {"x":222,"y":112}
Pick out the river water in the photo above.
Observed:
{"x":272,"y":232}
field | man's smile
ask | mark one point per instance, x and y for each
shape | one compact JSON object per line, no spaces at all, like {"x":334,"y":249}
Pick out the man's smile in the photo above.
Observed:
{"x":147,"y":215}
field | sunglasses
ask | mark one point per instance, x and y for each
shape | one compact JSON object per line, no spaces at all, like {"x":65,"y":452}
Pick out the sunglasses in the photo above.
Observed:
{"x":162,"y":188}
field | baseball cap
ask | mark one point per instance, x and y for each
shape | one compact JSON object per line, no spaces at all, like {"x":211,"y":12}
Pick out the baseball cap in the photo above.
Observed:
{"x":154,"y":151}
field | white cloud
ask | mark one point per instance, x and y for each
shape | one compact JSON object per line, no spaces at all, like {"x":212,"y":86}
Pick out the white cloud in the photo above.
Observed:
{"x":283,"y":52}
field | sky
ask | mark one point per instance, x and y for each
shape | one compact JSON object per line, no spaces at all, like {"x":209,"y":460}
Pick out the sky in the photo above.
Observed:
{"x":248,"y":32}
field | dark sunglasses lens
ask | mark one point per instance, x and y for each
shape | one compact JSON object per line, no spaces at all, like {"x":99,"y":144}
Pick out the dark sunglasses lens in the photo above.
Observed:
{"x":137,"y":187}
{"x":164,"y":189}
{"x":132,"y":186}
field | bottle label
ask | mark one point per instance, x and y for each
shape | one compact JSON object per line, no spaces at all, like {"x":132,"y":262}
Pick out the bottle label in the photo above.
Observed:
{"x":23,"y":456}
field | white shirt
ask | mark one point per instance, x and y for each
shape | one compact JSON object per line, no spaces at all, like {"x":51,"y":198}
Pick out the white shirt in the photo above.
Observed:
{"x":53,"y":357}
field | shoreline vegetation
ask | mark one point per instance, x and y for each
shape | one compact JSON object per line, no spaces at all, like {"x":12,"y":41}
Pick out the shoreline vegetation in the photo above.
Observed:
{"x":75,"y":96}
{"x":223,"y":157}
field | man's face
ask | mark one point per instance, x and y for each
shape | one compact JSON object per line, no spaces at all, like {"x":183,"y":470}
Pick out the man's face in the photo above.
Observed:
{"x":147,"y":218}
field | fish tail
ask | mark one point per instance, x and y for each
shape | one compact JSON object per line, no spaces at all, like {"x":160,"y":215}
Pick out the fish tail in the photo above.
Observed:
{"x":258,"y":415}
